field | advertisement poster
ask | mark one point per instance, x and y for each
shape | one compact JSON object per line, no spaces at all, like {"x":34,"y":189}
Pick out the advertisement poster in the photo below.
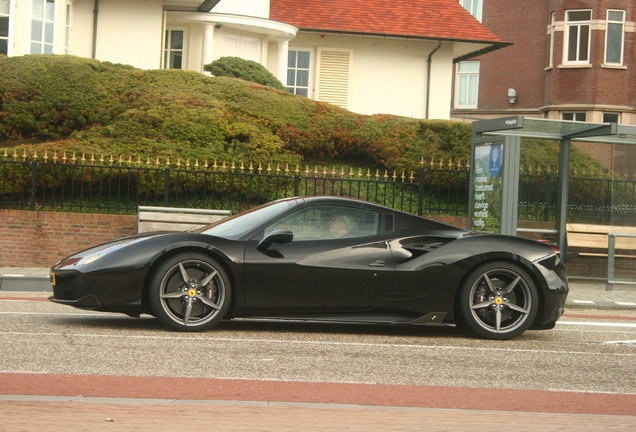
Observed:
{"x":486,"y":185}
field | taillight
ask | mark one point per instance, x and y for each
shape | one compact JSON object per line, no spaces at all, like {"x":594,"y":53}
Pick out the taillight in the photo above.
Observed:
{"x":553,"y":246}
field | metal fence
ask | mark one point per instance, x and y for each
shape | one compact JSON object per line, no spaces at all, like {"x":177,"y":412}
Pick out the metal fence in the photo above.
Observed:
{"x":601,"y":200}
{"x":120,"y":187}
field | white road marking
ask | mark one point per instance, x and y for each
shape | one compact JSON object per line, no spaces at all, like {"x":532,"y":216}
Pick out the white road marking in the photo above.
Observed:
{"x":93,"y":314}
{"x":625,"y":342}
{"x":299,"y":342}
{"x":597,"y":324}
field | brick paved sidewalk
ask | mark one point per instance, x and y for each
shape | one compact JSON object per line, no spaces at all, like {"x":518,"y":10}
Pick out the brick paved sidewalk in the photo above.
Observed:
{"x":57,"y":414}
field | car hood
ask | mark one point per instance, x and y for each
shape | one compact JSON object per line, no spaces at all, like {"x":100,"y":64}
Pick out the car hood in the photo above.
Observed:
{"x":92,"y":254}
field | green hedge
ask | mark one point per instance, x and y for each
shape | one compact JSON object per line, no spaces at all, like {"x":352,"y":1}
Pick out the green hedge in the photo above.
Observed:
{"x":72,"y":104}
{"x":248,"y":70}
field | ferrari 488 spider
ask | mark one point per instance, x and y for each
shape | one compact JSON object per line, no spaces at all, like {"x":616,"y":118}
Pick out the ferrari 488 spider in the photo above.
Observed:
{"x":322,"y":258}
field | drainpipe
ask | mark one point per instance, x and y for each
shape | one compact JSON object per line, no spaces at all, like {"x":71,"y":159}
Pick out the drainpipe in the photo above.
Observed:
{"x":95,"y":12}
{"x":428,"y":76}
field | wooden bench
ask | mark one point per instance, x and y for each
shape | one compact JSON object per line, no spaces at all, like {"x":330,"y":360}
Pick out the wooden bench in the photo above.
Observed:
{"x":176,"y":219}
{"x":594,"y":238}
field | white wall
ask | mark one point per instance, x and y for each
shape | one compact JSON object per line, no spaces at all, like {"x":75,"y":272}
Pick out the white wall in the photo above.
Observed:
{"x":441,"y":83}
{"x":82,"y":39}
{"x":253,"y":8}
{"x":133,"y":37}
{"x":18,"y":36}
{"x":389,"y":76}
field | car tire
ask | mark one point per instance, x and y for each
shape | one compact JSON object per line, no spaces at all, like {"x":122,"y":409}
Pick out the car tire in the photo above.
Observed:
{"x":190,"y":292}
{"x":498,"y":300}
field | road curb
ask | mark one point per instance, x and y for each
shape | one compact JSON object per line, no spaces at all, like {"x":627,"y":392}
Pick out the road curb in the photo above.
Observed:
{"x":18,"y":282}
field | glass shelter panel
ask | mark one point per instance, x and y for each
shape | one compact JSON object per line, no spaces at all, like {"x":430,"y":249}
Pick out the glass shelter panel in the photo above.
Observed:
{"x":486,"y":187}
{"x":538,"y":180}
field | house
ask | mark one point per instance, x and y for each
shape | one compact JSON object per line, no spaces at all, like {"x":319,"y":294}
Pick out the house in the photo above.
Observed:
{"x":369,"y":56}
{"x":571,"y":60}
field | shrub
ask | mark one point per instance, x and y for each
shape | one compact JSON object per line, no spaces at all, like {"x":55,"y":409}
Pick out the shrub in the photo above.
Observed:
{"x":72,"y":104}
{"x":248,"y":70}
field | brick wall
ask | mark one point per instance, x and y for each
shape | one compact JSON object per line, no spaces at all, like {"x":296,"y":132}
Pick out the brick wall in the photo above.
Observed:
{"x":40,"y":239}
{"x":458,"y":221}
{"x":519,"y":66}
{"x":524,"y":65}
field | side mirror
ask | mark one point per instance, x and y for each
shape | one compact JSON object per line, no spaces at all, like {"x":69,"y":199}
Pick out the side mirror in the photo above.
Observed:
{"x":279,"y":236}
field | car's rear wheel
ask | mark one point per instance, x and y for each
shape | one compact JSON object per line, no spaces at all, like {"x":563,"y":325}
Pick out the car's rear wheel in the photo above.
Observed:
{"x":498,"y":300}
{"x":190,"y":292}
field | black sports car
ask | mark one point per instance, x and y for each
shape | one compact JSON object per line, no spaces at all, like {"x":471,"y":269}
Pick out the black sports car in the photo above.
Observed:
{"x":322,"y":258}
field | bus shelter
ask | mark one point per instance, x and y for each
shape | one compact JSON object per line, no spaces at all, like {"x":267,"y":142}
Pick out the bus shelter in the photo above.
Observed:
{"x":495,"y":167}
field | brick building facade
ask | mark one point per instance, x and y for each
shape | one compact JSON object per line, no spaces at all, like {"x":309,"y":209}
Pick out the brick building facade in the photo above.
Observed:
{"x":571,"y":60}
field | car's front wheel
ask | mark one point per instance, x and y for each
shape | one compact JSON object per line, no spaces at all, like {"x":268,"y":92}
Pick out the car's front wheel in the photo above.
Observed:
{"x":190,"y":292}
{"x":498,"y":300}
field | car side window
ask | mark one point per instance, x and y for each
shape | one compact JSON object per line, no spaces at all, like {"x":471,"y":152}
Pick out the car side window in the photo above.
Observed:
{"x":328,"y":223}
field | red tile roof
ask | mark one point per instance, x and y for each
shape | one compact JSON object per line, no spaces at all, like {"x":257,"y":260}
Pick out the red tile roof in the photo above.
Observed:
{"x":435,"y":19}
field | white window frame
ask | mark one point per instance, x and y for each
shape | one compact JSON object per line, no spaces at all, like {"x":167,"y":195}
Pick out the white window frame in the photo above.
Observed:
{"x":167,"y":50}
{"x":622,"y":44}
{"x":462,"y":96}
{"x":618,"y":115}
{"x":45,"y":47}
{"x":310,"y":69}
{"x":552,"y":30}
{"x":475,"y":7}
{"x":9,"y":15}
{"x":574,"y":114}
{"x":68,"y":31}
{"x":579,"y":25}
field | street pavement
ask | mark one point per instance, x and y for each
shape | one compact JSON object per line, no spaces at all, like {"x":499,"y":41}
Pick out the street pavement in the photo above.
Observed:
{"x":584,"y":294}
{"x":52,"y":411}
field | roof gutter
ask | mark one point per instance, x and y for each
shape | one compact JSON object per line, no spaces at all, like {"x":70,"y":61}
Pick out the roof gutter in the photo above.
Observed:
{"x":207,"y":5}
{"x":428,"y":76}
{"x":495,"y":46}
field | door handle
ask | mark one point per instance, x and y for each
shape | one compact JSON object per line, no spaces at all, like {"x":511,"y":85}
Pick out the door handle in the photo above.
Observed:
{"x":377,"y":263}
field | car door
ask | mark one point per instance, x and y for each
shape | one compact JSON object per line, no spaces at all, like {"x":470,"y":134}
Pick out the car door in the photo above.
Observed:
{"x":321,"y":270}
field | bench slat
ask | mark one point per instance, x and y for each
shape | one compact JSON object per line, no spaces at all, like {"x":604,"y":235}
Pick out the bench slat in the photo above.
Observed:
{"x":178,"y":217}
{"x":595,"y":236}
{"x":587,"y":240}
{"x":602,"y":255}
{"x":600,"y":229}
{"x":167,"y":226}
{"x":175,"y":219}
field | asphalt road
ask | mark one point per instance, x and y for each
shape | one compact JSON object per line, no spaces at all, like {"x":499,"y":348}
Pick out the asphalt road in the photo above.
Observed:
{"x":584,"y":354}
{"x":63,"y":369}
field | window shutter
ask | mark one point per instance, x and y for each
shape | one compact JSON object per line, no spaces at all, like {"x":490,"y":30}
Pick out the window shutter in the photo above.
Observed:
{"x":334,"y":70}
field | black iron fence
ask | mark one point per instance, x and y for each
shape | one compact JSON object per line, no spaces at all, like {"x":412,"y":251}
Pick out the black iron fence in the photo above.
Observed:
{"x":120,"y":187}
{"x":602,"y":199}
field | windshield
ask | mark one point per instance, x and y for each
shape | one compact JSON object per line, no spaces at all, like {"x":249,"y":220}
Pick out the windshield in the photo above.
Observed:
{"x":237,"y":226}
